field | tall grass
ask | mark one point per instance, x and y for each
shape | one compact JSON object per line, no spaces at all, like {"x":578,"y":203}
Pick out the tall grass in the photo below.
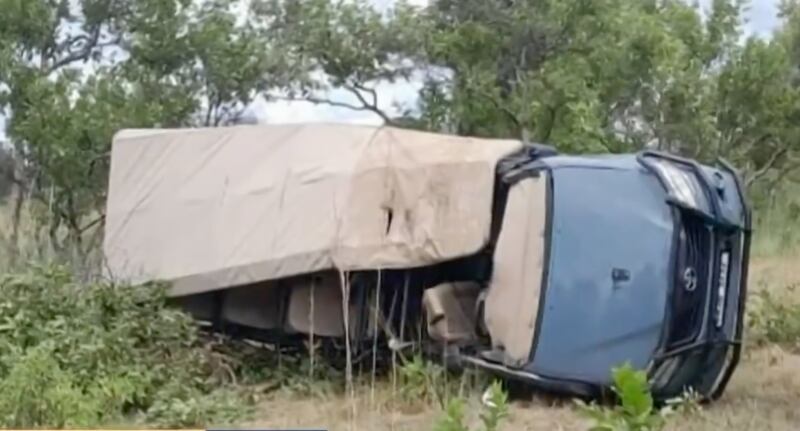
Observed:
{"x":34,"y":244}
{"x":776,"y":216}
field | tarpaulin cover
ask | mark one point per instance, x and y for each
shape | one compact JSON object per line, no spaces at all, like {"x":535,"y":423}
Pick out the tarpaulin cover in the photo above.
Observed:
{"x":512,"y":302}
{"x":217,"y":207}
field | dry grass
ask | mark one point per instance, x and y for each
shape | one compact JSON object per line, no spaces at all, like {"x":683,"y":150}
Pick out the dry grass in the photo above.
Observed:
{"x":763,"y":395}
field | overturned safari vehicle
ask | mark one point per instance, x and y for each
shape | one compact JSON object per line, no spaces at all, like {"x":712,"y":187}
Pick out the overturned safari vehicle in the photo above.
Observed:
{"x":544,"y":268}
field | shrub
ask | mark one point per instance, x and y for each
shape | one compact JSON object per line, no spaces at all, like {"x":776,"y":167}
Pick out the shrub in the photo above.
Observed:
{"x":294,"y":375}
{"x":636,"y":410}
{"x":75,"y":354}
{"x":37,"y":391}
{"x":773,"y":320}
{"x":496,"y":407}
{"x":495,"y":410}
{"x":428,"y":383}
{"x":422,"y":381}
{"x":776,"y":214}
{"x":453,"y":419}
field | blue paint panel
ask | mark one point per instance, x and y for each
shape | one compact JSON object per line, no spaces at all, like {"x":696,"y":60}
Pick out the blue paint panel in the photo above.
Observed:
{"x":606,"y":217}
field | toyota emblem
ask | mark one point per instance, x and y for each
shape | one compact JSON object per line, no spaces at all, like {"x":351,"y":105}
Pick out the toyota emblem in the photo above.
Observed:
{"x":690,"y":279}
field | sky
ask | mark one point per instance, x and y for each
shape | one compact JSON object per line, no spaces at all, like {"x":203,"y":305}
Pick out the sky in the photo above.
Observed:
{"x":762,"y":17}
{"x":761,"y":20}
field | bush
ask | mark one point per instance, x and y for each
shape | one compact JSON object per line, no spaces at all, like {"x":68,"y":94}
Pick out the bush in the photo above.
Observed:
{"x":85,"y":355}
{"x":774,"y":320}
{"x":636,"y":410}
{"x":293,"y":375}
{"x":37,"y":391}
{"x":426,"y":383}
{"x":495,"y":410}
{"x":776,"y":212}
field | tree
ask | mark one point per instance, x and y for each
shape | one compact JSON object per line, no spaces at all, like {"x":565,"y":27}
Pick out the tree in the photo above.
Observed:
{"x":612,"y":75}
{"x":72,"y":73}
{"x":759,"y":110}
{"x":348,"y":45}
{"x":620,"y":76}
{"x":39,"y":42}
{"x":6,"y":173}
{"x":234,"y":63}
{"x":587,"y":76}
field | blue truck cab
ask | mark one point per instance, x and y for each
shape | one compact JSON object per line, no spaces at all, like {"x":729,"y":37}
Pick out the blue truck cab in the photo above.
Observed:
{"x":644,"y":262}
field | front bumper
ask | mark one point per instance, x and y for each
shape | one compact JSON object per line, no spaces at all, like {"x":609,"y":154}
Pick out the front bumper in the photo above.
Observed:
{"x":707,"y":362}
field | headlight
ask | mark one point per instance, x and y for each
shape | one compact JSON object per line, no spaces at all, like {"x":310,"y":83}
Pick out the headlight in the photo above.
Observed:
{"x":683,"y":184}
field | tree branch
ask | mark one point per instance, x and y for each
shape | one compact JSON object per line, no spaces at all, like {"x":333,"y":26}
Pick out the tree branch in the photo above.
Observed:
{"x":372,"y":107}
{"x":365,"y":105}
{"x":371,"y":91}
{"x":784,"y":173}
{"x":755,"y":143}
{"x":212,"y":106}
{"x":552,"y":110}
{"x":91,"y":224}
{"x":522,"y":130}
{"x":88,"y":44}
{"x":769,"y":165}
{"x":321,"y":101}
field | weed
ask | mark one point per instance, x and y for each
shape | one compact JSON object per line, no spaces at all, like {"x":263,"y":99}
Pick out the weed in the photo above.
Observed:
{"x":495,"y":410}
{"x":424,"y":381}
{"x":686,"y":404}
{"x":775,"y":320}
{"x":776,"y":214}
{"x":296,"y":376}
{"x":636,"y":410}
{"x":496,"y":407}
{"x":453,"y":419}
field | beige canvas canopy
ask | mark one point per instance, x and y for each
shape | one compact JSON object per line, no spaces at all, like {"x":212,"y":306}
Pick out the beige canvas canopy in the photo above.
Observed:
{"x":219,"y":207}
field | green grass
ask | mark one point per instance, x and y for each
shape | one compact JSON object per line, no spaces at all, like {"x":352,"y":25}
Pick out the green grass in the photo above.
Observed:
{"x":774,"y":318}
{"x":776,"y":221}
{"x":75,"y":354}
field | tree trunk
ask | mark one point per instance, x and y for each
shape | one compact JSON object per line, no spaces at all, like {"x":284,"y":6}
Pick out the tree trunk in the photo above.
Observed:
{"x":16,"y":220}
